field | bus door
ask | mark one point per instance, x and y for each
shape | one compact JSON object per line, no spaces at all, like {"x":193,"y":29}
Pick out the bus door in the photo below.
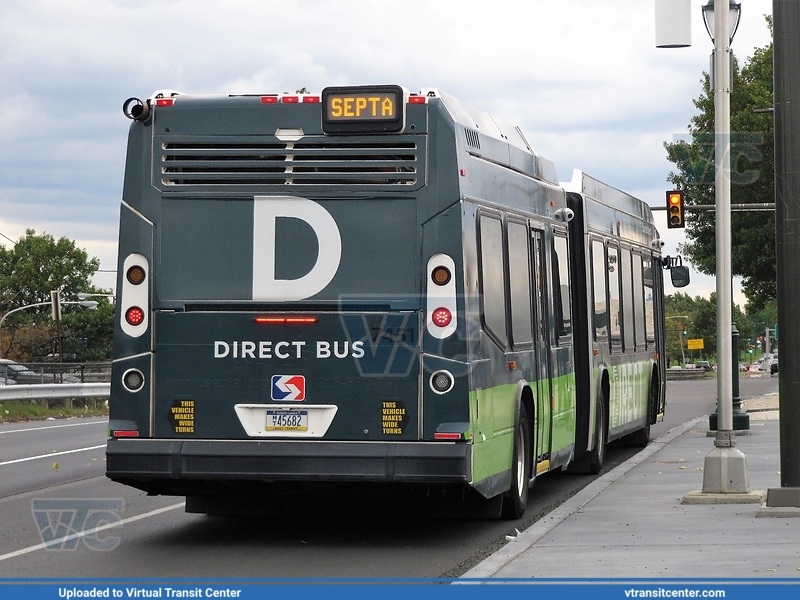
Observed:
{"x":562,"y":441}
{"x":544,"y":369}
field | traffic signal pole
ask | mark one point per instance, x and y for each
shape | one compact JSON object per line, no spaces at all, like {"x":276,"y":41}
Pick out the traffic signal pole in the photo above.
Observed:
{"x":786,"y":19}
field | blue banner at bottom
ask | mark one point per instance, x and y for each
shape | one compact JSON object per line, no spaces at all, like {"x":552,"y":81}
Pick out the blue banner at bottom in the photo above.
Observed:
{"x":422,"y":589}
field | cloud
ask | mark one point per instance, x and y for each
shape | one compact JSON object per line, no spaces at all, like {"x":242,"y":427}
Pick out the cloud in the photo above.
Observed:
{"x":582,"y":79}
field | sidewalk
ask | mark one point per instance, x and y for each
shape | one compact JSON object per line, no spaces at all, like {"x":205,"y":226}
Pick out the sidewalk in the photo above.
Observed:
{"x":630,"y":523}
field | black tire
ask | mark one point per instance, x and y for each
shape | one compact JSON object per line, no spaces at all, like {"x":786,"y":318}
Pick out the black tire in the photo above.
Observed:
{"x":641,"y":437}
{"x":598,"y":453}
{"x":515,"y":500}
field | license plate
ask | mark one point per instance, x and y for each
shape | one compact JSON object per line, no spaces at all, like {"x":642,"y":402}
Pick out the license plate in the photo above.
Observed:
{"x":287,"y":420}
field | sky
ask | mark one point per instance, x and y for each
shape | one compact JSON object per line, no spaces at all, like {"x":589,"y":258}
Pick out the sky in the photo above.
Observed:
{"x":582,"y":78}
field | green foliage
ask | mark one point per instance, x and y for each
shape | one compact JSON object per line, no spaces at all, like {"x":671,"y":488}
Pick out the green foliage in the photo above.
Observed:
{"x":88,"y":333}
{"x":29,"y":271}
{"x":701,"y":323}
{"x":752,"y":179}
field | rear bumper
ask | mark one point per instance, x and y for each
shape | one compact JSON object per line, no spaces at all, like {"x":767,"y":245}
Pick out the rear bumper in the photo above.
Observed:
{"x":161,"y":461}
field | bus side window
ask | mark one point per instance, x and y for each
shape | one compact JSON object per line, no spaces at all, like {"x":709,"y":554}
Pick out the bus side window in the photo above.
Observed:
{"x":519,"y":279}
{"x":492,"y":278}
{"x":629,"y":345}
{"x":638,"y":302}
{"x":649,"y":297}
{"x":614,"y":304}
{"x":561,"y":292}
{"x":599,"y":289}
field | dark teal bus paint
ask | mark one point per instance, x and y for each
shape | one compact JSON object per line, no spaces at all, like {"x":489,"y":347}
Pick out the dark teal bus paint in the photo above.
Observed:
{"x":289,"y":334}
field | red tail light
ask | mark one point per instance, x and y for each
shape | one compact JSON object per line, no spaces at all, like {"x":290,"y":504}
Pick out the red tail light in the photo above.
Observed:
{"x":441,"y":317}
{"x":124,"y":433}
{"x":134,"y":315}
{"x":277,"y":320}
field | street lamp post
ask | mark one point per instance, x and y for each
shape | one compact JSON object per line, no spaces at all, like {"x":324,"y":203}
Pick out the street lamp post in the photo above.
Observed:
{"x":680,"y":336}
{"x":786,"y":16}
{"x":85,"y":295}
{"x":725,"y":470}
{"x":90,"y":304}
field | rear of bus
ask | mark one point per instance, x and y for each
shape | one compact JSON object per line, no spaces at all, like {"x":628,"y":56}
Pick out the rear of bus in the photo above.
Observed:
{"x":289,"y":269}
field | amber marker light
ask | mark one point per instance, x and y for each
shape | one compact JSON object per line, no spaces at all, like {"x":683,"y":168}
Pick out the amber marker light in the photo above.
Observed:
{"x":441,"y":276}
{"x":135,"y":275}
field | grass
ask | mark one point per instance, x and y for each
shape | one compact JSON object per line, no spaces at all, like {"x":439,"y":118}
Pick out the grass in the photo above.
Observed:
{"x":14,"y":410}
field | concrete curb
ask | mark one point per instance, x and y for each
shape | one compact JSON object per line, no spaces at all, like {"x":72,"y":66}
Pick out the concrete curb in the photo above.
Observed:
{"x":546,"y":524}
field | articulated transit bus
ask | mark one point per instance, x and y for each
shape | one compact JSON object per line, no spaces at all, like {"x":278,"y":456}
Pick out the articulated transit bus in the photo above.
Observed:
{"x":370,"y":287}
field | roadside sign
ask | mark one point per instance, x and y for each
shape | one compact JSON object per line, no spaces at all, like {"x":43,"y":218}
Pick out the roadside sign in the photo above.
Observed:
{"x":696,"y":344}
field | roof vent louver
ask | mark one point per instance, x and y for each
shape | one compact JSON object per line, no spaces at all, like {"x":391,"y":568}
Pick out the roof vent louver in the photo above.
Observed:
{"x":311,"y":161}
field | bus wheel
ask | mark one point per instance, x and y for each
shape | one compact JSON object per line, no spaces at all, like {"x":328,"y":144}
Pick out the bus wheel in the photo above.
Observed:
{"x":641,"y":437}
{"x":516,"y":499}
{"x":598,"y":453}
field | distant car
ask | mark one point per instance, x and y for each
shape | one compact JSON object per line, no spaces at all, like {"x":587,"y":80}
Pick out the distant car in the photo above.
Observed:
{"x":773,"y":366}
{"x":23,"y":375}
{"x":756,"y":368}
{"x":704,"y":365}
{"x":4,"y":381}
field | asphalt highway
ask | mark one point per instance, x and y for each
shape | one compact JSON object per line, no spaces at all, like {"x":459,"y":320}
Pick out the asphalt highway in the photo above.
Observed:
{"x":152,"y":537}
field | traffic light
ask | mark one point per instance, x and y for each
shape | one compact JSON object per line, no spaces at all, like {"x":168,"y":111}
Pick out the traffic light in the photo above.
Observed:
{"x":675,"y":210}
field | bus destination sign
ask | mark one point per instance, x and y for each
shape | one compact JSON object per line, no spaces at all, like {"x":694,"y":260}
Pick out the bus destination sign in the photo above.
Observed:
{"x":363,"y":109}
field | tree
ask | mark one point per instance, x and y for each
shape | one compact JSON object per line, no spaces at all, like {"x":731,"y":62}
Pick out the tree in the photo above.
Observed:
{"x":700,"y":322}
{"x":29,"y":271}
{"x":752,"y":178}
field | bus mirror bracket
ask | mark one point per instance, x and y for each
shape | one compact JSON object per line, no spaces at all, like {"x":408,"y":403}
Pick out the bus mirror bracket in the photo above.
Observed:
{"x":135,"y":109}
{"x":679,"y":274}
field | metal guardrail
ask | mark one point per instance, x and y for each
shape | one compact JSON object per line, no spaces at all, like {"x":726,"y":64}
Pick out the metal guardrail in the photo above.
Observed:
{"x":52,"y":391}
{"x":681,"y":374}
{"x":55,"y":372}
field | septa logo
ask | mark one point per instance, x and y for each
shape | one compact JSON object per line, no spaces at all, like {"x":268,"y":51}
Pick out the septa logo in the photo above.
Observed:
{"x":288,"y":387}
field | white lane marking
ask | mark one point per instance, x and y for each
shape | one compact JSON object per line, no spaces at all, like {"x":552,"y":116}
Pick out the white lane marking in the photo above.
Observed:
{"x":52,"y":427}
{"x":30,"y":549}
{"x":19,"y":460}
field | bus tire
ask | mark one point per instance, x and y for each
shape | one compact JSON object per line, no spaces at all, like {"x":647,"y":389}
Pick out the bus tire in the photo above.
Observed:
{"x":598,"y":453}
{"x":641,"y":437}
{"x":515,"y":500}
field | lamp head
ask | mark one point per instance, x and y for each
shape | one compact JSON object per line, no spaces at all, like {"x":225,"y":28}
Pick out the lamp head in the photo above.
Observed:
{"x":735,"y":13}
